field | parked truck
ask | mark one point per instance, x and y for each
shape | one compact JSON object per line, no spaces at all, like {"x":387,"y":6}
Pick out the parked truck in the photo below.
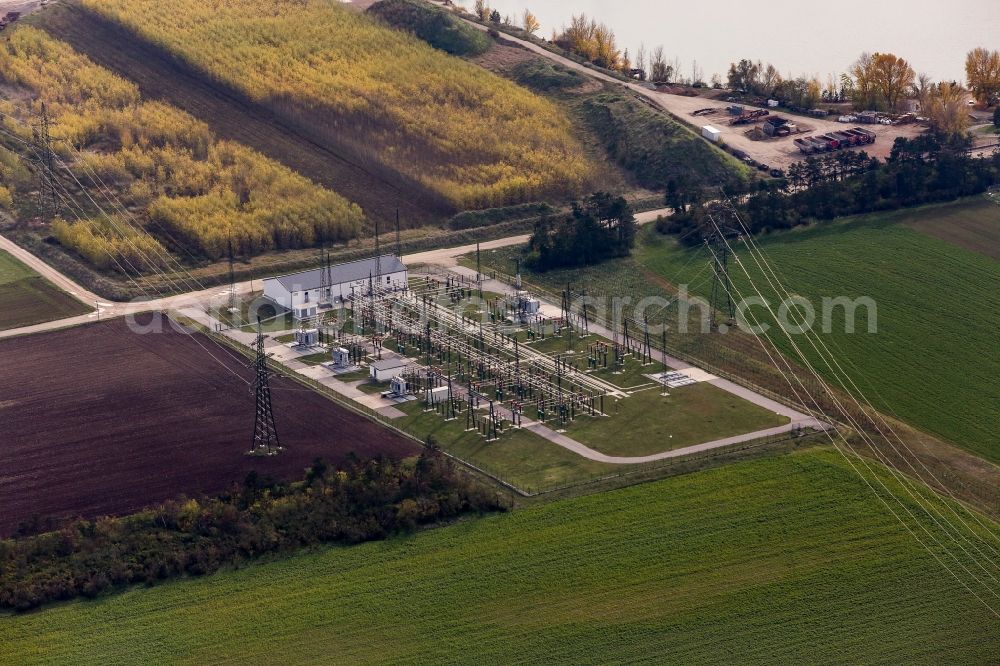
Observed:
{"x":833,"y":141}
{"x":864,"y":132}
{"x":846,"y":140}
{"x":806,"y":146}
{"x":820,"y":145}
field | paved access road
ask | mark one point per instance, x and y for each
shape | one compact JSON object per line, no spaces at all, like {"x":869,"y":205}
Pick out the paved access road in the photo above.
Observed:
{"x":105,"y":308}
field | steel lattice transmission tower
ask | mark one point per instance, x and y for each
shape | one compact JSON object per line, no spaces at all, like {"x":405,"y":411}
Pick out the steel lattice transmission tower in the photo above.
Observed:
{"x":265,"y":435}
{"x":232,"y":278}
{"x":43,"y":141}
{"x":722,"y":284}
{"x":719,"y":240}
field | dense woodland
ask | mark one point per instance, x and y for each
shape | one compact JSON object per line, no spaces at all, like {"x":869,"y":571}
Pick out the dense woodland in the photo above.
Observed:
{"x":471,"y":138}
{"x":191,"y":189}
{"x":366,"y":500}
{"x":918,"y":171}
{"x":599,"y":228}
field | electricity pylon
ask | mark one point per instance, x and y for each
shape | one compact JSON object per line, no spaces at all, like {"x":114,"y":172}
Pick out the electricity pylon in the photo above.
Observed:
{"x":265,"y":435}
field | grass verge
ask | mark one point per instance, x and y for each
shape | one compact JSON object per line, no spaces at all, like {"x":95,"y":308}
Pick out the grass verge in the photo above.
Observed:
{"x":26,"y":298}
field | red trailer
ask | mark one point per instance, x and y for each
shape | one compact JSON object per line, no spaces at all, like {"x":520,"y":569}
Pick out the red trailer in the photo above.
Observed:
{"x":845,"y":139}
{"x":831,"y":140}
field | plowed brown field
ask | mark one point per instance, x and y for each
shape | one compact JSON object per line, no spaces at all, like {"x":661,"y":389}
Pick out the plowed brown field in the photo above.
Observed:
{"x":98,"y":420}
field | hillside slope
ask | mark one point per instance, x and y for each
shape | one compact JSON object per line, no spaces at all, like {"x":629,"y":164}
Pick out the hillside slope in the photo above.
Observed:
{"x":467,"y":138}
{"x":186,"y":191}
{"x":231,"y":116}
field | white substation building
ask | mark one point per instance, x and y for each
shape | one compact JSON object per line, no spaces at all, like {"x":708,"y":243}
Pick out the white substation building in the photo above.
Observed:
{"x":303,"y":293}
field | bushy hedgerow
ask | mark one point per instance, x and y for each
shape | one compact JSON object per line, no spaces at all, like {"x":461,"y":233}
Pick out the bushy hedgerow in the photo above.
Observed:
{"x":362,"y":501}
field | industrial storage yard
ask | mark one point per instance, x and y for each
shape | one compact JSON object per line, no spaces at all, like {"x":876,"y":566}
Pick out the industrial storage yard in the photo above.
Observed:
{"x":778,"y":152}
{"x":99,"y":420}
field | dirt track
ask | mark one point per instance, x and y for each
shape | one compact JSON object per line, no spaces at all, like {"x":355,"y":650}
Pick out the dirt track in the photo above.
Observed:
{"x":97,"y":420}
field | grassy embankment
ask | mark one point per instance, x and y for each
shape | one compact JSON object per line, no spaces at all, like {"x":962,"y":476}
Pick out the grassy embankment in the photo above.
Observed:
{"x":27,"y":298}
{"x":781,"y":560}
{"x":645,"y":144}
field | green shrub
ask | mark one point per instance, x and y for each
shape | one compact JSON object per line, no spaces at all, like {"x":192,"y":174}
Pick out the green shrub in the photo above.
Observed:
{"x":472,"y":219}
{"x":435,"y":26}
{"x":543,"y":76}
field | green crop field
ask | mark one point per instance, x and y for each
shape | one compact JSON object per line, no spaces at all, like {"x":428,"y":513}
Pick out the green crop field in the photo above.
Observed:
{"x":779,"y":560}
{"x":933,"y":361}
{"x":27,"y":298}
{"x":973,"y":225}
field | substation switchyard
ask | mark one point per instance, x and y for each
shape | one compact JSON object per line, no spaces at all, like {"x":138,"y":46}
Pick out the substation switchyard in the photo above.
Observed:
{"x":469,"y":355}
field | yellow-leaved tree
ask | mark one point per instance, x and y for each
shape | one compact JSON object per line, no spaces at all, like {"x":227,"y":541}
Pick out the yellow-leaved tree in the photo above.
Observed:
{"x":982,"y":71}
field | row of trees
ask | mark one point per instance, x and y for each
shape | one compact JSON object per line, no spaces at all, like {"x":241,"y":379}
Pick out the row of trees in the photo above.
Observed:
{"x":599,"y":228}
{"x":881,"y":81}
{"x":485,"y":13}
{"x":918,"y":171}
{"x":366,"y":500}
{"x":594,"y":42}
{"x":877,"y":81}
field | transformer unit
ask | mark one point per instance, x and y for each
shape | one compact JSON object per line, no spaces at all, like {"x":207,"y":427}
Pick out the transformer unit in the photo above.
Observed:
{"x":397,"y":386}
{"x":341,"y":357}
{"x":307,"y":337}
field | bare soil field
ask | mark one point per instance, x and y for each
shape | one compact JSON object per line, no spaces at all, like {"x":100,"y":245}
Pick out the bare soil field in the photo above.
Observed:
{"x":162,"y":76}
{"x":98,"y":420}
{"x":502,"y":58}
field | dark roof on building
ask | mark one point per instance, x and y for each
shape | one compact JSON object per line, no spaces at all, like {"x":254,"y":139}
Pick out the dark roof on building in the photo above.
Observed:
{"x":341,"y":273}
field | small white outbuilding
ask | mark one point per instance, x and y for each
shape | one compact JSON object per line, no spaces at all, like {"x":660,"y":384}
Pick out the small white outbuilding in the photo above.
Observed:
{"x":437,"y":395}
{"x":711,"y":133}
{"x":386,"y":369}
